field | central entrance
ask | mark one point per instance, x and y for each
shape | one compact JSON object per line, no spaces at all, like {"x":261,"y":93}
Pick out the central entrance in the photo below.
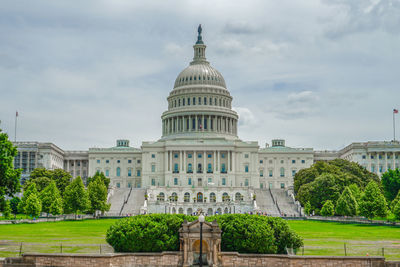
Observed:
{"x":199,"y":197}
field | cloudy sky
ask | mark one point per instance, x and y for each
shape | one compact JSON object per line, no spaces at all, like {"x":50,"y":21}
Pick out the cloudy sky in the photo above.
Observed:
{"x":82,"y":74}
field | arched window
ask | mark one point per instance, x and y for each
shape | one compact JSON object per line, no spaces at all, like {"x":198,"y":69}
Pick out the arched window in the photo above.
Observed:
{"x":161,"y":197}
{"x":205,"y":123}
{"x":213,"y":198}
{"x":199,"y":197}
{"x":188,"y":101}
{"x":179,"y":102}
{"x":215,"y":101}
{"x":205,"y":100}
{"x":107,"y":173}
{"x":194,"y":101}
{"x":190,"y":168}
{"x":129,"y":172}
{"x":183,"y":101}
{"x":210,"y":101}
{"x":193,"y":123}
{"x":225,"y":197}
{"x":238,"y":197}
{"x":199,"y":169}
{"x":174,"y":197}
{"x":199,"y":100}
{"x":282,"y":172}
{"x":186,"y":197}
{"x":175,"y":103}
{"x":118,"y":171}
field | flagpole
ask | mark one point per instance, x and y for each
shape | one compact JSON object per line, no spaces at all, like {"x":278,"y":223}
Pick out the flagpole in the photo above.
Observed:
{"x":15,"y":130}
{"x":394,"y":128}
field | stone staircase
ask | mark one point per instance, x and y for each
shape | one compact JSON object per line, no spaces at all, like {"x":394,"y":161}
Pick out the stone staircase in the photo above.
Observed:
{"x":117,"y":198}
{"x":285,"y":203}
{"x":134,"y":202}
{"x":265,"y":202}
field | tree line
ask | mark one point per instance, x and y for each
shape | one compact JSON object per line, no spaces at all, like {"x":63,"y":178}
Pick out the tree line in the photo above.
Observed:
{"x":344,"y":188}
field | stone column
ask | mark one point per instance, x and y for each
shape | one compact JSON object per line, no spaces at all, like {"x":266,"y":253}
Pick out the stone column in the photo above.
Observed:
{"x":196,"y":123}
{"x":165,"y":161}
{"x":386,"y":161}
{"x":377,"y":169}
{"x":233,"y":161}
{"x":194,"y":162}
{"x":218,"y":161}
{"x":215,"y":160}
{"x":204,"y":161}
{"x":180,"y":161}
{"x":184,"y":161}
{"x":394,"y":161}
{"x":369,"y":161}
{"x":170,"y":160}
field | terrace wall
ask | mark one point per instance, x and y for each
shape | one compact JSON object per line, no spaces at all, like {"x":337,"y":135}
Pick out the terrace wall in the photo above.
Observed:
{"x":175,"y":258}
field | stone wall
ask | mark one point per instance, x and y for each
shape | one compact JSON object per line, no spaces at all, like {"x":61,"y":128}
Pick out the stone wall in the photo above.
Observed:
{"x":230,"y":259}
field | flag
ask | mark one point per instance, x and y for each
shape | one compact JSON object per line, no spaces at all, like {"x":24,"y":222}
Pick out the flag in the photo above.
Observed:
{"x":200,"y":126}
{"x":16,"y":114}
{"x":395,"y":111}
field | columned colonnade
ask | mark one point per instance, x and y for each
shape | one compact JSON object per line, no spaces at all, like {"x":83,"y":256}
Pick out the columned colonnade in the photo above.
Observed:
{"x":203,"y":123}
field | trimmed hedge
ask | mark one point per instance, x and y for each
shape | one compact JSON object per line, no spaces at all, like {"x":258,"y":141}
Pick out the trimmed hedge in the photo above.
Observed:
{"x":240,"y":232}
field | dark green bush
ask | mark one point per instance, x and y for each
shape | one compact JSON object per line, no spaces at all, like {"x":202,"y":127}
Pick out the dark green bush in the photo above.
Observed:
{"x":242,"y":233}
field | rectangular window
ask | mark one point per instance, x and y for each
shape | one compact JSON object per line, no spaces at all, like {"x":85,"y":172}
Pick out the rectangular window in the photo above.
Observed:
{"x":107,"y":161}
{"x":209,"y":180}
{"x":129,"y":172}
{"x":303,"y":161}
{"x":118,"y":185}
{"x":246,"y":168}
{"x":153,"y":181}
{"x":261,"y":161}
{"x":98,"y":161}
{"x":282,"y":185}
{"x":199,"y":156}
{"x":118,"y":161}
{"x":153,"y":168}
{"x":223,"y":181}
{"x":372,"y":157}
{"x":138,"y":173}
{"x":175,"y":181}
{"x":189,"y":181}
{"x":364,"y":157}
{"x":380,"y":156}
{"x":246,"y":182}
{"x":189,"y":156}
{"x":270,"y":173}
{"x":261,"y":173}
{"x":176,"y":155}
{"x":153,"y":156}
{"x":222,"y":155}
{"x":129,"y":161}
{"x":209,"y":156}
{"x":246,"y":156}
{"x":129,"y":185}
{"x":293,"y":172}
{"x":138,"y":161}
{"x":293,"y":161}
{"x":107,"y":173}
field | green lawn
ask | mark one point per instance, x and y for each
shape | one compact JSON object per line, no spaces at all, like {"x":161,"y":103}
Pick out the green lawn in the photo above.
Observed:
{"x":320,"y":238}
{"x":329,"y":238}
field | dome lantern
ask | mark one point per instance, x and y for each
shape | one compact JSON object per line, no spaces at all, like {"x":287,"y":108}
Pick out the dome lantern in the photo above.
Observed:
{"x":199,"y":49}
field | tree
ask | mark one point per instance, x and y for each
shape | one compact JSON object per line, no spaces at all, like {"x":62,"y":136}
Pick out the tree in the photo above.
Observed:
{"x":372,"y":202}
{"x":391,"y":183}
{"x":14,"y":204}
{"x":56,"y":208}
{"x":98,"y":195}
{"x":396,"y":211}
{"x":307,"y":208}
{"x":30,"y":190}
{"x":9,"y":177}
{"x":33,"y":206}
{"x":7,"y":209}
{"x":49,"y":196}
{"x":41,"y":177}
{"x":41,"y":183}
{"x":395,"y":201}
{"x":346,"y":205}
{"x":102,"y":177}
{"x":76,"y":198}
{"x":328,"y":208}
{"x":355,"y":191}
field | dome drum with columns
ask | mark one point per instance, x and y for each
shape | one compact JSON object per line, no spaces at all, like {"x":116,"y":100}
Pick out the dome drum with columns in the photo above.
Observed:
{"x":200,"y":104}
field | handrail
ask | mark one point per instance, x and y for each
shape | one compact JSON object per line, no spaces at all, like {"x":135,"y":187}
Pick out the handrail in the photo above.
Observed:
{"x":125,"y":201}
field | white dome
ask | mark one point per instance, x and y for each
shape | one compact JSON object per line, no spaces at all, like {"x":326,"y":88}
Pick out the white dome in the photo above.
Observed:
{"x":200,"y":73}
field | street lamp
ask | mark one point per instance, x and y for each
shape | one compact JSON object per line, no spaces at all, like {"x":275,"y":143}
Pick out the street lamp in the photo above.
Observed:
{"x":201,"y":220}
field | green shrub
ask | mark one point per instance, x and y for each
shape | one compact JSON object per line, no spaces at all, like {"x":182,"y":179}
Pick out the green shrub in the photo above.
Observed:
{"x":242,"y":233}
{"x":347,"y":204}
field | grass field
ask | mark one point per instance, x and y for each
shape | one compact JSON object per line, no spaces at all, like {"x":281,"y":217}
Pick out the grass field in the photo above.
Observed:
{"x":320,"y":238}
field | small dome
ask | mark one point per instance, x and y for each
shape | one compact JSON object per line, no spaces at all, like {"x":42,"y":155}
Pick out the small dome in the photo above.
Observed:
{"x":200,"y":73}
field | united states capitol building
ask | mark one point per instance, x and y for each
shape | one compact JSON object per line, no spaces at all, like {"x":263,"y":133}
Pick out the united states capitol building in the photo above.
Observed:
{"x":200,"y":161}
